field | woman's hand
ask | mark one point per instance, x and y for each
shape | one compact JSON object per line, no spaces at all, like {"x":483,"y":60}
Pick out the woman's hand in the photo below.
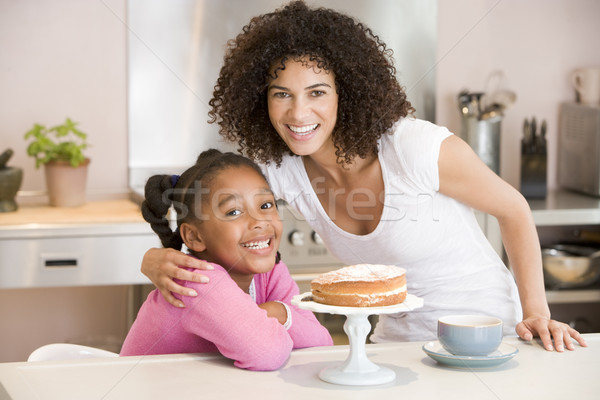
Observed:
{"x":161,"y":266}
{"x":547,"y":329}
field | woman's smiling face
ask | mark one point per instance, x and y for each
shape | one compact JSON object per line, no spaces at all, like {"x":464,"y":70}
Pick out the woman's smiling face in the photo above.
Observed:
{"x":303,"y":103}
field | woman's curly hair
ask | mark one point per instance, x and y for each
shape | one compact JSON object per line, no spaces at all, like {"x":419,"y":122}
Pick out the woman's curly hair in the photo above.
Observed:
{"x":370,"y":99}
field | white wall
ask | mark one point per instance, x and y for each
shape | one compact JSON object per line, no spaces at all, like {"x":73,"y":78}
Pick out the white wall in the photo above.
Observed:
{"x":537,"y":43}
{"x":65,"y":58}
{"x":68,"y":58}
{"x":62,"y":58}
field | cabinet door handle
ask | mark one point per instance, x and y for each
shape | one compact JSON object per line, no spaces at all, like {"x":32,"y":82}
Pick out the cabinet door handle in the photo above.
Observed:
{"x":52,"y":261}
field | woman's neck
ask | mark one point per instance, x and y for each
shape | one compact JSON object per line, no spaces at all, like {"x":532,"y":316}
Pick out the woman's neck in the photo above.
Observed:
{"x":328,"y":168}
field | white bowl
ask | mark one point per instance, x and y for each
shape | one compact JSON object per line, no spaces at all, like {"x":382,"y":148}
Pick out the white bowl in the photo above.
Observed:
{"x":470,"y":335}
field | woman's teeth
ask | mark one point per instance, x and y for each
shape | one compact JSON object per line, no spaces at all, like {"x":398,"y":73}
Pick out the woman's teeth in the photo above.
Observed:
{"x":257,"y":245}
{"x":302,"y":130}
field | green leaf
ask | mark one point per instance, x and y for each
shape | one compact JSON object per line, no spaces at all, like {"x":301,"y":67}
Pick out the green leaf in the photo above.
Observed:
{"x":60,"y":142}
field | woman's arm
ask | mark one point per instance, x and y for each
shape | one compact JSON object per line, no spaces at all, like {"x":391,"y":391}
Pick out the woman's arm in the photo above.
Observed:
{"x":161,"y":266}
{"x":464,"y":177}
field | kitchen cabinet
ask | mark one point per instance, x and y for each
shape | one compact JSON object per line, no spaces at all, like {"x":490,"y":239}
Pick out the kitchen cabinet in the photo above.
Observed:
{"x":100,"y":243}
{"x":74,"y":272}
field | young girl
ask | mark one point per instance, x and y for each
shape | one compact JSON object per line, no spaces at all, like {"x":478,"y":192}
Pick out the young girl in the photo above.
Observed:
{"x":226,"y":215}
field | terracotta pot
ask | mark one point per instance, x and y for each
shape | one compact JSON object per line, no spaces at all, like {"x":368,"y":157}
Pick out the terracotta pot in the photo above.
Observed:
{"x":66,"y":184}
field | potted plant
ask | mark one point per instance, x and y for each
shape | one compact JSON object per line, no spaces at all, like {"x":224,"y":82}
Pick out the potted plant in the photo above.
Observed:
{"x":60,"y":150}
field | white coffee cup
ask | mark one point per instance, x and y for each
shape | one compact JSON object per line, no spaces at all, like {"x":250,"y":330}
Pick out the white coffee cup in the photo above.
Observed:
{"x":587,"y":83}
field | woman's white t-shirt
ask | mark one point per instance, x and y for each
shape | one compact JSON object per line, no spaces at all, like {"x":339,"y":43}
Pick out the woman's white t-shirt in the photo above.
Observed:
{"x":449,"y":262}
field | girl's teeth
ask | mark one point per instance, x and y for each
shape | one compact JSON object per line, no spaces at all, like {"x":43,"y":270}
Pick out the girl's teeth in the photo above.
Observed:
{"x":303,"y":130}
{"x":257,"y":245}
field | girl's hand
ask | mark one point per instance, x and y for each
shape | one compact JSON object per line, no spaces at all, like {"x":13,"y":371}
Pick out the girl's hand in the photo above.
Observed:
{"x":547,"y":329}
{"x":161,"y":266}
{"x":276,"y":310}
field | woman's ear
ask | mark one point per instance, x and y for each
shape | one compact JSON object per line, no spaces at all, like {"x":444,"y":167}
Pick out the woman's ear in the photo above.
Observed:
{"x":191,"y":237}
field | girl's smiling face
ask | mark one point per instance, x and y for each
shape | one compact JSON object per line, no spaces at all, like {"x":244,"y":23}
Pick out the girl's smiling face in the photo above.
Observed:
{"x":238,"y":226}
{"x":303,"y":103}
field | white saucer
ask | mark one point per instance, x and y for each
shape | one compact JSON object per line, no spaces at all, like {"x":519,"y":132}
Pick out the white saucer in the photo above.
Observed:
{"x":504,"y":353}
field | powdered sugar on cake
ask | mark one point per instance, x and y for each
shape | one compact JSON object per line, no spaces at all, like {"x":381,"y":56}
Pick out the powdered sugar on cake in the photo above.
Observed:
{"x":361,"y":272}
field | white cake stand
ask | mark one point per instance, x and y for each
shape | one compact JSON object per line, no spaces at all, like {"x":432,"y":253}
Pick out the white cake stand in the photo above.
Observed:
{"x":357,"y":370}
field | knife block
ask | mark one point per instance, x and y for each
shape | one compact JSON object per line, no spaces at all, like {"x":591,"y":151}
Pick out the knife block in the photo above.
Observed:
{"x":534,"y":172}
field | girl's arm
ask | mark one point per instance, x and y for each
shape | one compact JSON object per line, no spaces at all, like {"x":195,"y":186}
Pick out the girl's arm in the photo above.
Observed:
{"x":305,"y":330}
{"x":464,"y":177}
{"x":226,"y":316}
{"x":162,"y":265}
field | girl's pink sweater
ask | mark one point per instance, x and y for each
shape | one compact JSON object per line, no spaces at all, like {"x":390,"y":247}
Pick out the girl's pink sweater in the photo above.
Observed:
{"x":225,"y":319}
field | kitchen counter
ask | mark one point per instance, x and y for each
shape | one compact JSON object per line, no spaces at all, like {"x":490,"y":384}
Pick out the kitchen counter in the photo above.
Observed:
{"x":562,"y":207}
{"x":533,"y":374}
{"x":111,"y":211}
{"x":101,"y":217}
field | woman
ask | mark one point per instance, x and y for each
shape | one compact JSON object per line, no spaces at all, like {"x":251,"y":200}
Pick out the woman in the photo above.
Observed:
{"x":312,"y":94}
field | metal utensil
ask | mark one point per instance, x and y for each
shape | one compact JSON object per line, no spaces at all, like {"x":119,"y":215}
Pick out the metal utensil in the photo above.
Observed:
{"x":470,"y":103}
{"x":533,"y":135}
{"x":526,"y":141}
{"x":569,"y":269}
{"x":543,"y":143}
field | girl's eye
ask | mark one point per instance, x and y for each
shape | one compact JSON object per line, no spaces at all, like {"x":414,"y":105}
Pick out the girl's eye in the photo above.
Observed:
{"x":280,"y":95}
{"x":233,"y":213}
{"x":317,"y":93}
{"x":267,"y":205}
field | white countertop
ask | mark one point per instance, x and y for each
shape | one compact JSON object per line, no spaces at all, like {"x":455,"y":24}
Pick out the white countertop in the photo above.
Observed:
{"x":533,"y":374}
{"x":98,"y":218}
{"x":562,"y":207}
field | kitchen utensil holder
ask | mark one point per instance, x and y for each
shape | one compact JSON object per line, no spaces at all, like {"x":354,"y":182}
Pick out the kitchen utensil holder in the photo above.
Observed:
{"x":534,"y":170}
{"x":484,"y":138}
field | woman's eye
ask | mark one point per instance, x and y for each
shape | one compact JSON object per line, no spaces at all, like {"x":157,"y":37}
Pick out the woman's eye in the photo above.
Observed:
{"x":317,"y":93}
{"x":280,"y":95}
{"x":267,"y":205}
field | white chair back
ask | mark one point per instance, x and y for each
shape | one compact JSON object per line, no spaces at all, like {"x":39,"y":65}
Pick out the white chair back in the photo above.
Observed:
{"x":67,"y":351}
